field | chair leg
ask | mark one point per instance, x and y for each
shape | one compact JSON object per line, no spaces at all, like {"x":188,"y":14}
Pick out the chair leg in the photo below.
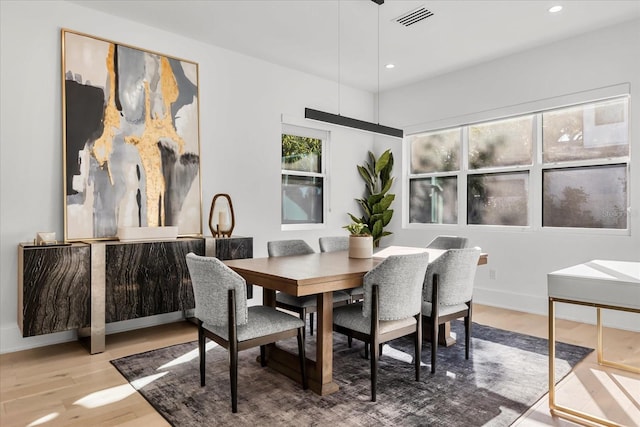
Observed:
{"x":366,"y":350}
{"x":468,"y":325}
{"x":233,"y":373}
{"x":434,"y":320}
{"x":201,"y":348}
{"x":311,"y":316}
{"x":303,"y":317}
{"x":418,"y":347}
{"x":374,"y":369}
{"x":434,"y":343}
{"x":302,"y":357}
{"x":349,"y":341}
{"x":263,"y":357}
{"x":467,"y":336}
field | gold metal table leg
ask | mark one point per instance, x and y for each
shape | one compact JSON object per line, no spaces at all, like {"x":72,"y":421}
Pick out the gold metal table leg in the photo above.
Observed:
{"x":601,"y":360}
{"x":563,"y":411}
{"x":552,"y":355}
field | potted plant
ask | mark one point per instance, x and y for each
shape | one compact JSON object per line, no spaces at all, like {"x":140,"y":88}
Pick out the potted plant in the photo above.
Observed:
{"x":375,"y":204}
{"x":360,"y":240}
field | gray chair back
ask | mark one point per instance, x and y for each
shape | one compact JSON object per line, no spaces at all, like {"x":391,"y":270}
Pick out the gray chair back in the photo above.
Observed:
{"x":211,"y":281}
{"x":288,"y":248}
{"x":448,"y":242}
{"x":333,"y":243}
{"x":400,"y":279}
{"x":456,"y":269}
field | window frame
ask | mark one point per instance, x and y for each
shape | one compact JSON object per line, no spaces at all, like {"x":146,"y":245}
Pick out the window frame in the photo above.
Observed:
{"x":535,"y":170}
{"x":303,"y":130}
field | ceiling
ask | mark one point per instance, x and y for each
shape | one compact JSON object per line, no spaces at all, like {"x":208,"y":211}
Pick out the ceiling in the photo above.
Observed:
{"x":305,"y":35}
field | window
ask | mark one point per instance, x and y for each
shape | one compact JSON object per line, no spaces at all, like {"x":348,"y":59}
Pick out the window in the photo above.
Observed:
{"x":435,"y":152}
{"x":501,"y":143}
{"x":435,"y":163}
{"x":434,"y":200}
{"x":574,"y":158}
{"x":584,"y":182}
{"x":303,"y":175}
{"x":500,"y":197}
{"x":586,"y":132}
{"x":586,"y":197}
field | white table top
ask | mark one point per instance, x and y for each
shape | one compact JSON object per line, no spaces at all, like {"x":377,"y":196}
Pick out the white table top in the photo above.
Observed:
{"x":606,"y":282}
{"x":626,"y":271}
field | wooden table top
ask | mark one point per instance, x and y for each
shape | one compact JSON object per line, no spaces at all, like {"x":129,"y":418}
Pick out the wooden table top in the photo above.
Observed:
{"x":305,"y":274}
{"x":311,"y":274}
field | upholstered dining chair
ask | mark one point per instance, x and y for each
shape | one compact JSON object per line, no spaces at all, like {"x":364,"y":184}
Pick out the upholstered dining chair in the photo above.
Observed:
{"x":333,"y":243}
{"x":448,"y":242}
{"x":340,"y":243}
{"x":305,"y":304}
{"x":390,"y":308}
{"x":448,"y":294}
{"x":222,"y":316}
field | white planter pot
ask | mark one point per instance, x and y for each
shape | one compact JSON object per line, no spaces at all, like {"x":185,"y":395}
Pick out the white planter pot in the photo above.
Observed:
{"x":360,"y":246}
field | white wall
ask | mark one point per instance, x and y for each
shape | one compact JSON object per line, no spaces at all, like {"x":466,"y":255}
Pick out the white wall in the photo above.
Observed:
{"x":242,"y":100}
{"x":521,"y":259}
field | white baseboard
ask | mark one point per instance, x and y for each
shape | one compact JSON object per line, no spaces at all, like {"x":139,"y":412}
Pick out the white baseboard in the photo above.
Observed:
{"x":11,"y":339}
{"x":539,"y":305}
{"x":144,"y":322}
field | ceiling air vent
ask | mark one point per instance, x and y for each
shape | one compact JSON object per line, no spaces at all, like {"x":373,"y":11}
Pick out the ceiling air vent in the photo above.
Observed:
{"x":414,"y":16}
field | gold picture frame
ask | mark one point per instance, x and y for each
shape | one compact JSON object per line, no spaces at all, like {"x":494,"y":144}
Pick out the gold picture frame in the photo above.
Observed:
{"x":131,"y":139}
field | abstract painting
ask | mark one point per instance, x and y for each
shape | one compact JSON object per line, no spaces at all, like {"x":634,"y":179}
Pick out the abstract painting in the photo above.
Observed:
{"x":131,"y":139}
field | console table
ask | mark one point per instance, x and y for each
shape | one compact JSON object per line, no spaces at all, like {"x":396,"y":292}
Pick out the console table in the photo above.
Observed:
{"x":601,"y":284}
{"x":84,"y":286}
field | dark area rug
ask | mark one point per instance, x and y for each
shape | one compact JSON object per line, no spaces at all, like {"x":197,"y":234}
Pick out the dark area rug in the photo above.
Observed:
{"x":506,"y":374}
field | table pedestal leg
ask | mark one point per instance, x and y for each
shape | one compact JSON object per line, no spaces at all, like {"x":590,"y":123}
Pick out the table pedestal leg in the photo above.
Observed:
{"x":444,"y":334}
{"x":320,"y":374}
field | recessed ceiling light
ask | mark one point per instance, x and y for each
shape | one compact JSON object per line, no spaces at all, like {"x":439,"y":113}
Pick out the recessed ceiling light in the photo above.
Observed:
{"x":555,"y":9}
{"x":389,"y":66}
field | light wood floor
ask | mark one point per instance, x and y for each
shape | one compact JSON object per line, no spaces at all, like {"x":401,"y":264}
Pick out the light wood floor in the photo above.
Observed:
{"x":63,"y":385}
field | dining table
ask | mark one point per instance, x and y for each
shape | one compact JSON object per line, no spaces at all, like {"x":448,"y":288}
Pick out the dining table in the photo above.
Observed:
{"x":317,"y":274}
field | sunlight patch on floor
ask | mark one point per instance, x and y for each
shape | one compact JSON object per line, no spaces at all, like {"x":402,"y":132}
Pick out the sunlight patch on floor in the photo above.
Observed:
{"x":617,"y":383}
{"x":187,"y":357}
{"x":105,"y":397}
{"x":115,"y":394}
{"x":389,"y":351}
{"x":624,"y":387}
{"x":141,"y":382}
{"x":630,"y":387}
{"x":45,"y":419}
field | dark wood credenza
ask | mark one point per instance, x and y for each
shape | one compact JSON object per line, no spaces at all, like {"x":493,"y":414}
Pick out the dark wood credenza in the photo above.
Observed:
{"x":84,"y":286}
{"x":53,"y":288}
